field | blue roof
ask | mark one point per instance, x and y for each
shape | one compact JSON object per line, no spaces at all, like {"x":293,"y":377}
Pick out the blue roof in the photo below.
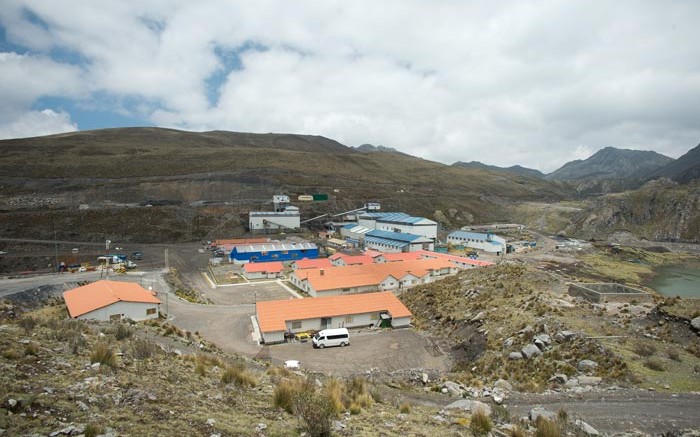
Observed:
{"x":397,"y":217}
{"x":396,"y":236}
{"x":384,"y":241}
{"x":468,"y":235}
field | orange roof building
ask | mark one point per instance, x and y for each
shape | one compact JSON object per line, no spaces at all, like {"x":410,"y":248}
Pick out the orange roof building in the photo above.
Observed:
{"x":373,"y":277}
{"x":262,"y":270}
{"x":306,"y":263}
{"x":348,"y":311}
{"x":460,"y":261}
{"x":111,"y":300}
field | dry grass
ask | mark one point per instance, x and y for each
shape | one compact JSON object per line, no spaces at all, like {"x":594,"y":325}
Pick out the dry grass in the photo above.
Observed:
{"x":239,"y":375}
{"x":546,"y":428}
{"x":480,"y":424}
{"x":103,"y":354}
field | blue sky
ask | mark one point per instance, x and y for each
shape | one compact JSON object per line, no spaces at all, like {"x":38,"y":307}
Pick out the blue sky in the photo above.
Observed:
{"x":533,"y":83}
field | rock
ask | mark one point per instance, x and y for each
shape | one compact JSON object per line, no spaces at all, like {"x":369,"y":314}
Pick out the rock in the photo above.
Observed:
{"x":469,"y":405}
{"x":444,"y":391}
{"x":586,"y":428}
{"x":515,"y":356}
{"x":12,"y":403}
{"x":504,"y":385}
{"x":498,"y":398}
{"x":82,"y":405}
{"x":586,"y":365}
{"x":541,"y":412}
{"x":544,"y":339}
{"x":261,"y":427}
{"x":177,"y":352}
{"x":530,"y":351}
{"x":479,"y":317}
{"x":695,"y":323}
{"x":559,"y":378}
{"x":211,"y":422}
{"x":526,"y":330}
{"x":453,"y":388}
{"x":589,"y":380}
{"x":424,"y":378}
{"x":508,"y":342}
{"x":95,"y":366}
{"x":573,"y":382}
{"x":563,"y":336}
{"x":338,"y":425}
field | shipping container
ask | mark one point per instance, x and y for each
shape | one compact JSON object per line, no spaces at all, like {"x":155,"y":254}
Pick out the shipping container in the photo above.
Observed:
{"x":320,"y":197}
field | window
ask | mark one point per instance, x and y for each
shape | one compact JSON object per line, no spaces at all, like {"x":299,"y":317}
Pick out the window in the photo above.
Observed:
{"x":346,"y":290}
{"x":296,"y":324}
{"x":348,"y":319}
{"x":274,"y":255}
{"x":150,"y":311}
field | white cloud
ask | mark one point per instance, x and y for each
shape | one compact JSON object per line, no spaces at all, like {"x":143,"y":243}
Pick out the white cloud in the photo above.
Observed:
{"x":532,"y":83}
{"x":37,"y":123}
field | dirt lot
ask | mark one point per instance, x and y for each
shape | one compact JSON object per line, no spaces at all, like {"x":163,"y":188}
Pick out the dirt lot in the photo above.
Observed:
{"x":247,"y":294}
{"x":385,"y":350}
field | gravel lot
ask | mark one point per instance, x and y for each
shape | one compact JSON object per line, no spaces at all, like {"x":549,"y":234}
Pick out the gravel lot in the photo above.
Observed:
{"x":247,"y":294}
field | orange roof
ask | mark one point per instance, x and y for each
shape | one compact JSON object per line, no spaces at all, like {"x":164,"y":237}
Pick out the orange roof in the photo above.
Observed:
{"x":455,"y":258}
{"x":403,"y":256}
{"x":99,"y":294}
{"x":266,"y":267}
{"x":318,"y":263}
{"x":235,"y":241}
{"x":273,"y":314}
{"x":373,"y":253}
{"x":368,"y":274}
{"x":351,"y":260}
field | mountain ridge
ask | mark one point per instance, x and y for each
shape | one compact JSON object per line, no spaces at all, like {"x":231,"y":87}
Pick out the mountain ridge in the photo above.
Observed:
{"x":611,"y":163}
{"x":514,"y":169}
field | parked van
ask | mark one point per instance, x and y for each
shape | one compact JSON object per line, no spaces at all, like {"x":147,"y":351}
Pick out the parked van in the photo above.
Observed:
{"x":331,"y":337}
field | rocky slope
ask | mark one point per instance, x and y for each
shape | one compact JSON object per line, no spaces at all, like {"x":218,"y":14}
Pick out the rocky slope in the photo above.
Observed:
{"x":514,"y":169}
{"x":682,"y":170}
{"x":661,"y":210}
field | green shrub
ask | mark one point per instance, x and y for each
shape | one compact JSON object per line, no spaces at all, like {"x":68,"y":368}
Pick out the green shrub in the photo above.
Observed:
{"x":480,"y":424}
{"x":644,"y":349}
{"x":28,"y":323}
{"x":315,"y":410}
{"x":103,"y":354}
{"x":655,"y":365}
{"x":123,"y":332}
{"x":10,"y":354}
{"x":31,"y":348}
{"x":674,"y":355}
{"x":405,"y":408}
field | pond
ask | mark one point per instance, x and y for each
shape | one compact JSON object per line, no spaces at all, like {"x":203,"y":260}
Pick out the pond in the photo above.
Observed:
{"x":678,"y":280}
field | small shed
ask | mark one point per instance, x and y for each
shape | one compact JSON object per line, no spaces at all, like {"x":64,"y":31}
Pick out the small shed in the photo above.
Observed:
{"x":111,"y":301}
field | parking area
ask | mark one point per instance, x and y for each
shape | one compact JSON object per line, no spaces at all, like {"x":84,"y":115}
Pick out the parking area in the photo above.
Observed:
{"x":247,"y":293}
{"x":385,"y":350}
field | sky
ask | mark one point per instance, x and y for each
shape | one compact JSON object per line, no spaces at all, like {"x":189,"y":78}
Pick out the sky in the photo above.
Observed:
{"x":535,"y":83}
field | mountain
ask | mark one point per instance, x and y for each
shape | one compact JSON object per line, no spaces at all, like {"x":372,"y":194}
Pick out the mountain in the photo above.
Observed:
{"x":611,"y":164}
{"x":95,"y":185}
{"x":369,"y":148}
{"x":683,"y":169}
{"x":515,"y":169}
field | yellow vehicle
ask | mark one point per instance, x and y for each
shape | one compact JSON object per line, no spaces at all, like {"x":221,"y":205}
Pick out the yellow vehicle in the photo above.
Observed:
{"x":302,"y":336}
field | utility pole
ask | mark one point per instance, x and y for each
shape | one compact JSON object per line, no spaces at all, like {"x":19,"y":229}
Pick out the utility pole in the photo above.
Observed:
{"x":55,"y":245}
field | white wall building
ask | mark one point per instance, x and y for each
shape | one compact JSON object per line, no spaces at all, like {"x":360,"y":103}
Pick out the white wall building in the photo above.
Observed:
{"x":487,"y":242}
{"x":268,"y":220}
{"x":399,"y":222}
{"x":111,"y":301}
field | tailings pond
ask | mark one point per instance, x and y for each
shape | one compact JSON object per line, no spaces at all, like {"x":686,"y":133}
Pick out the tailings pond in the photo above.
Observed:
{"x":679,"y":280}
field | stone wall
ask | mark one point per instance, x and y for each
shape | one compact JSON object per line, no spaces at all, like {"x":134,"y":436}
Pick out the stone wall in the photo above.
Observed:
{"x":601,"y":293}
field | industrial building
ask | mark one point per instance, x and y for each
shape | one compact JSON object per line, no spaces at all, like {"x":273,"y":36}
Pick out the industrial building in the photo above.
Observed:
{"x":111,"y":301}
{"x":487,"y":242}
{"x":399,"y":222}
{"x":228,"y":244}
{"x":273,"y":252}
{"x":373,"y":277}
{"x":277,"y":317}
{"x":396,"y":242}
{"x":263,"y":270}
{"x":260,"y":221}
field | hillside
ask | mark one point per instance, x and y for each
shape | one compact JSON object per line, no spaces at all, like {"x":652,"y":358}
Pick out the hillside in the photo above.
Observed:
{"x":659,"y":211}
{"x":202,"y":185}
{"x":611,"y":163}
{"x":682,"y":170}
{"x":514,"y":169}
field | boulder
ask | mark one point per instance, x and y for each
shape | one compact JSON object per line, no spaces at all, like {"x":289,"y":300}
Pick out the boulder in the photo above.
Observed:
{"x":453,"y":388}
{"x":469,"y":405}
{"x":559,"y":378}
{"x":563,"y":336}
{"x":424,"y":378}
{"x":695,"y":323}
{"x":526,"y":330}
{"x":508,"y":342}
{"x":479,"y":317}
{"x":537,"y":412}
{"x":515,"y":356}
{"x":544,"y":339}
{"x":586,"y":428}
{"x":587,"y":365}
{"x":573,"y":382}
{"x":504,"y":385}
{"x":530,"y":351}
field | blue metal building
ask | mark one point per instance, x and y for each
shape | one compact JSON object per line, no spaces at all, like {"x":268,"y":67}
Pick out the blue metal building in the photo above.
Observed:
{"x":273,"y":252}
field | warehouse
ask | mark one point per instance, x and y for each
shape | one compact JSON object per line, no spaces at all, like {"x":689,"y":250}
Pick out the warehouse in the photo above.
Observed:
{"x":277,"y":317}
{"x":273,"y":252}
{"x":267,"y":220}
{"x":396,"y":242}
{"x":353,"y":233}
{"x":227,"y":245}
{"x":264,"y":270}
{"x":487,"y":242}
{"x":399,"y":222}
{"x":111,"y":301}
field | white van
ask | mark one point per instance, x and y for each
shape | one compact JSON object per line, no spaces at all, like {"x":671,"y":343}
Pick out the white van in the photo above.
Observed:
{"x":331,"y":337}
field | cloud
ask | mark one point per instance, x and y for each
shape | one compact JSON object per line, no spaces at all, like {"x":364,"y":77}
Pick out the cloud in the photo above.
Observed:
{"x":533,"y":83}
{"x":37,"y":123}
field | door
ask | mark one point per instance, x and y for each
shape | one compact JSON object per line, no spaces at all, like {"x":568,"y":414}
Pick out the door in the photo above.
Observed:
{"x":325,"y":322}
